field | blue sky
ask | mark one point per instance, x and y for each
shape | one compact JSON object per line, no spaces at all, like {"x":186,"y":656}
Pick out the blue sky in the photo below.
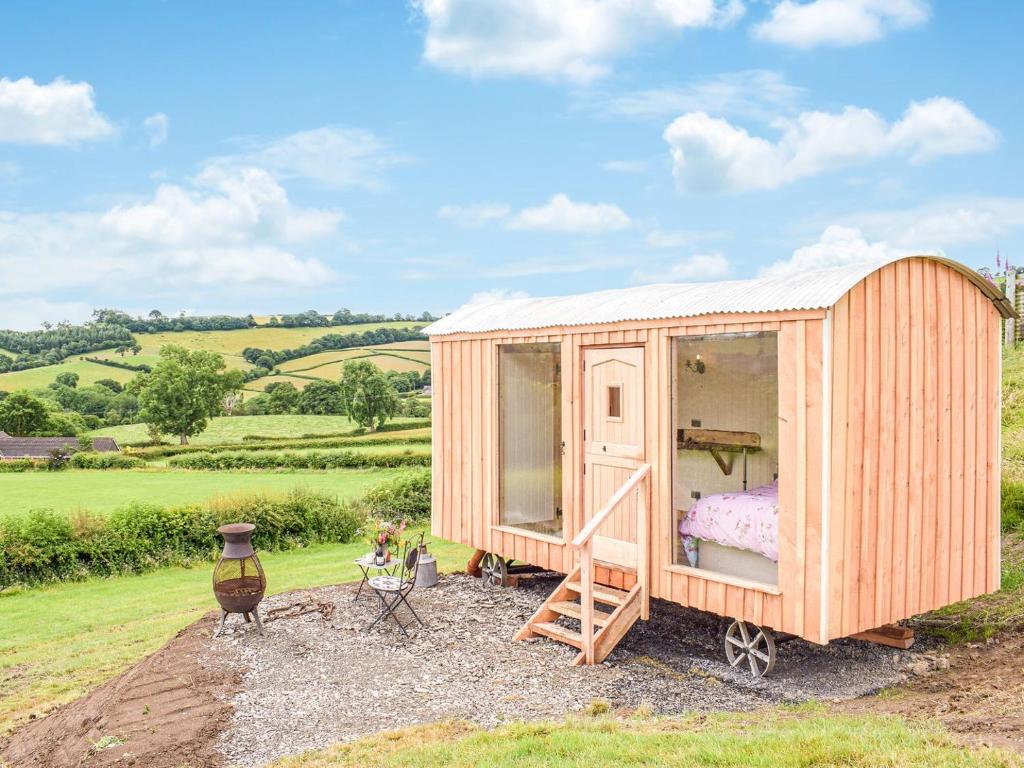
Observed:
{"x":387,"y":156}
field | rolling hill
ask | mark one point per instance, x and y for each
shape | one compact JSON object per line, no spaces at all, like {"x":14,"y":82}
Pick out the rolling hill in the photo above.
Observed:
{"x":396,"y":356}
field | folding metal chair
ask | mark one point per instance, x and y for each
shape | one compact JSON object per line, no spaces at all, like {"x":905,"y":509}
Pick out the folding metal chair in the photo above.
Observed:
{"x":393,"y":591}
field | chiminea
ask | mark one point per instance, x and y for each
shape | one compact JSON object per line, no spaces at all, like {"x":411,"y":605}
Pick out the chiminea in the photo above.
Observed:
{"x":238,"y":578}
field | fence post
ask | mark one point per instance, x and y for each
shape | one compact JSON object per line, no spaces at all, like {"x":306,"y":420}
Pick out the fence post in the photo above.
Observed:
{"x":1010,"y":328}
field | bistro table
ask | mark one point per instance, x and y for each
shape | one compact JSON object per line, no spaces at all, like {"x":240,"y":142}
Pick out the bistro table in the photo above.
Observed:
{"x":366,"y":564}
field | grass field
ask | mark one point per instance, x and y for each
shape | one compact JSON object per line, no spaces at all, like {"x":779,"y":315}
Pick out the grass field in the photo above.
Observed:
{"x":59,"y":642}
{"x":88,"y":373}
{"x":233,"y":342}
{"x":231,"y":429}
{"x":228,"y":343}
{"x":102,"y":491}
{"x":769,"y":738}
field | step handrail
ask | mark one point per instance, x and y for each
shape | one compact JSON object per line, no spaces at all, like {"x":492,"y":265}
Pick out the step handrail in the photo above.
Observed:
{"x":584,"y":542}
{"x":588,"y":531}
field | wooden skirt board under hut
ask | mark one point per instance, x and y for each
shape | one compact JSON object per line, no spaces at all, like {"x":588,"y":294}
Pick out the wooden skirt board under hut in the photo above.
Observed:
{"x":578,"y":434}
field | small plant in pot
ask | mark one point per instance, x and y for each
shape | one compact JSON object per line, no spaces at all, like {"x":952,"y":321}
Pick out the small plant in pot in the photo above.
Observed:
{"x":385,"y":537}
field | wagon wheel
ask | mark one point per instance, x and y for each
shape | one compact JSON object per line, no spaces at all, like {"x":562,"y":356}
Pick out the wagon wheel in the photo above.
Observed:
{"x":493,"y":570}
{"x":751,"y":644}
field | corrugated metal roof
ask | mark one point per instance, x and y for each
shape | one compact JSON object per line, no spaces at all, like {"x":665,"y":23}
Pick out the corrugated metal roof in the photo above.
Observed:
{"x":818,"y":289}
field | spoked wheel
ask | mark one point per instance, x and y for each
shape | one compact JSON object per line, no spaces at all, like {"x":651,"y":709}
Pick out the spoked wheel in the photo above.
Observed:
{"x":493,"y":570}
{"x":751,"y":645}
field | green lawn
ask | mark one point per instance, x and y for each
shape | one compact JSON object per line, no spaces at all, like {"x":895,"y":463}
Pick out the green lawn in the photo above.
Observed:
{"x":231,"y":429}
{"x":768,"y":738}
{"x":102,"y":491}
{"x":60,"y":641}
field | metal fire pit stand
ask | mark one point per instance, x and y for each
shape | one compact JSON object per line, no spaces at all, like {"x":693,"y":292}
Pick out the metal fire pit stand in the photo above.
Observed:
{"x":238,"y":579}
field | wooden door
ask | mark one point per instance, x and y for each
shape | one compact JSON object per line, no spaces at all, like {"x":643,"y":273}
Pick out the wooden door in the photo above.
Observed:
{"x":613,"y":445}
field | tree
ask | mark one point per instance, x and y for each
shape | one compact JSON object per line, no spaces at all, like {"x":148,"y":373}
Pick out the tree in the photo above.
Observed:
{"x":184,"y":390}
{"x":283,"y":397}
{"x":67,"y":379}
{"x":23,"y":414}
{"x":368,"y":397}
{"x":321,"y":398}
{"x":111,"y":384}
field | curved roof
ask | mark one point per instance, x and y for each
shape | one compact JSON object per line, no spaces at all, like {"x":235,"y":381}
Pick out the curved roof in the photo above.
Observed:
{"x":818,"y":289}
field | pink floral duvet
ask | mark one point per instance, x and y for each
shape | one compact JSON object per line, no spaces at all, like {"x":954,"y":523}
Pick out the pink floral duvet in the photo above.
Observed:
{"x":745,"y":520}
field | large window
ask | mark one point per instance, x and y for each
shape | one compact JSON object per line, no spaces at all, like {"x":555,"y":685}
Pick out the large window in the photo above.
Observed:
{"x":530,"y":435}
{"x":725,"y":511}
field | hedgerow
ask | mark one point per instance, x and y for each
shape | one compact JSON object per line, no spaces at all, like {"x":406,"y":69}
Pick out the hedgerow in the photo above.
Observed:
{"x":405,"y":497}
{"x":291,"y":460}
{"x":79,"y":460}
{"x":164,"y":451}
{"x":111,"y":460}
{"x":46,"y":546}
{"x":17,"y":465}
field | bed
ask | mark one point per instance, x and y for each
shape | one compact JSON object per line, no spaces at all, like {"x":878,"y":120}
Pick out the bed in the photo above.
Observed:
{"x":746,"y":520}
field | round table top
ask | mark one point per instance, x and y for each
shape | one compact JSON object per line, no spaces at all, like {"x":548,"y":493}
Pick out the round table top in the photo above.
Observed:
{"x":367,"y":562}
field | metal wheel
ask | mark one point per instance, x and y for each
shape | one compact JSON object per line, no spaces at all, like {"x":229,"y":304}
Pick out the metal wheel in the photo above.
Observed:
{"x":493,"y":570}
{"x":750,"y":644}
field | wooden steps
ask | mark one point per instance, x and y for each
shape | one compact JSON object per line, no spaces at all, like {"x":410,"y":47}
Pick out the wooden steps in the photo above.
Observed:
{"x":575,"y":611}
{"x":603,"y":594}
{"x":559,"y":633}
{"x":562,"y":604}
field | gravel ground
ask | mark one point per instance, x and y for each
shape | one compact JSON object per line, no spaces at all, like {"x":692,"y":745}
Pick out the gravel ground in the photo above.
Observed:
{"x":317,"y":677}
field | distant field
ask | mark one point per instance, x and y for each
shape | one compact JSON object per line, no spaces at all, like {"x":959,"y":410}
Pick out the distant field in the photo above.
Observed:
{"x":150,"y":356}
{"x":404,"y":355}
{"x":233,"y":342}
{"x":88,"y":373}
{"x":232,"y":429}
{"x":328,"y":365}
{"x":102,"y":491}
{"x":259,"y":385}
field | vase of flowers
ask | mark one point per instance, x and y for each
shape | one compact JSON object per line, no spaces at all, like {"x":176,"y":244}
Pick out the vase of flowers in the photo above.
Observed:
{"x":385,"y":536}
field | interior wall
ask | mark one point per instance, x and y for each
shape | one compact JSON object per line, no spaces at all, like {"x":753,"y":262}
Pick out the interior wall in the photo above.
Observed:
{"x":738,"y":391}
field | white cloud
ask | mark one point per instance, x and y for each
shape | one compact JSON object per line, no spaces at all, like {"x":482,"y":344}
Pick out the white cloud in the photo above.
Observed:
{"x":475,"y":215}
{"x":227,"y":228}
{"x":839,"y":22}
{"x":496,"y":294}
{"x":946,"y":224}
{"x":334,"y":156}
{"x":58,"y":113}
{"x":837,"y":246}
{"x":941,"y":126}
{"x":712,"y":155}
{"x":695,"y":268}
{"x":156,"y":128}
{"x":755,"y":93}
{"x":567,"y":39}
{"x":560,"y":214}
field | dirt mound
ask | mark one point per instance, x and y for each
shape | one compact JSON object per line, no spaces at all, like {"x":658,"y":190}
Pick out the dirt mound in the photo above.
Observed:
{"x":165,"y":712}
{"x":980,"y":696}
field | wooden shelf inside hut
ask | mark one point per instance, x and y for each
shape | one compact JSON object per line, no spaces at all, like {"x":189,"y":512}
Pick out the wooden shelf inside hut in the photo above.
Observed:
{"x":718,"y":441}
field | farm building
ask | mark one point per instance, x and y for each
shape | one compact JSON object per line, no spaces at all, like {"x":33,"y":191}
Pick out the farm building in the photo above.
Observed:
{"x":814,"y":455}
{"x":42,"y":447}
